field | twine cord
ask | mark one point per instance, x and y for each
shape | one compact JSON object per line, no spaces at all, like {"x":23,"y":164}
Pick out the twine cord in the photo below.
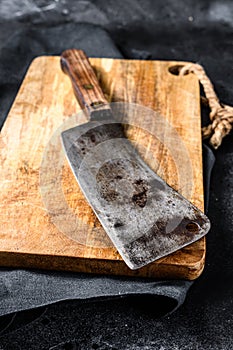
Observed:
{"x":221,"y":115}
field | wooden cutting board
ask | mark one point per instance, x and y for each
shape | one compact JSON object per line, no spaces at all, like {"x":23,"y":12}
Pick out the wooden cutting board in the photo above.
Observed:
{"x":45,"y":221}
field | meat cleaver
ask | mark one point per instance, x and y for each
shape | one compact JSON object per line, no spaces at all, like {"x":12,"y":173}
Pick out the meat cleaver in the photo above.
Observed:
{"x":144,"y":217}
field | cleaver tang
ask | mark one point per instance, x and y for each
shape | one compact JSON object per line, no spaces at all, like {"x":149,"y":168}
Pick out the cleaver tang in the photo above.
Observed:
{"x":144,"y":217}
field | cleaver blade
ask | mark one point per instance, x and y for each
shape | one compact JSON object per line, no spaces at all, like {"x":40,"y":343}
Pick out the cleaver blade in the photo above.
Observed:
{"x":144,"y":217}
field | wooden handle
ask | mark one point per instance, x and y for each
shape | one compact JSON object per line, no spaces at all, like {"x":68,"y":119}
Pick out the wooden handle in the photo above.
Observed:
{"x":85,"y":84}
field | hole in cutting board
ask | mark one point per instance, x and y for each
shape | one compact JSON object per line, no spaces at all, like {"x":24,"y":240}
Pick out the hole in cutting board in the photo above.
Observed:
{"x":175,"y":70}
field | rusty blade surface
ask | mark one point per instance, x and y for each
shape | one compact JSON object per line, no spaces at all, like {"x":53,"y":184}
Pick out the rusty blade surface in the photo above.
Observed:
{"x":144,"y":217}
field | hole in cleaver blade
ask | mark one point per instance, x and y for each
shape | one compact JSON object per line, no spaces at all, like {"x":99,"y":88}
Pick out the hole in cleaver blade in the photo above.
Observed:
{"x":144,"y":217}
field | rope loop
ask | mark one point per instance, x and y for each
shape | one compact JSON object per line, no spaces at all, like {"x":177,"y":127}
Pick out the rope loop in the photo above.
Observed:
{"x":221,"y":115}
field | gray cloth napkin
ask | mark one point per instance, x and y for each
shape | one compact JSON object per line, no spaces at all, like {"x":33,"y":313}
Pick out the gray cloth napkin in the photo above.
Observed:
{"x":23,"y":289}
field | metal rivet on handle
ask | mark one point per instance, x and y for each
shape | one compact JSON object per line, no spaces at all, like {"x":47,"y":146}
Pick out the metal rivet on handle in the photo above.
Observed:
{"x":97,"y":104}
{"x":88,"y":86}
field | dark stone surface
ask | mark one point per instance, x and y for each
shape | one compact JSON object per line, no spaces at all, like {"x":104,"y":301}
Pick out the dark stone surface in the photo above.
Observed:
{"x":198,"y":31}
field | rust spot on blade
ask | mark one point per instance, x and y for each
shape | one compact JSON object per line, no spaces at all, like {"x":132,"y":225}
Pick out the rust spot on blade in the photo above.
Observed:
{"x":116,"y":182}
{"x":140,"y":195}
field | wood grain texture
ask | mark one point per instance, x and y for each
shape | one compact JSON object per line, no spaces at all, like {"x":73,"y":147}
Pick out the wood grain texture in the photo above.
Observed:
{"x":85,"y":84}
{"x":32,"y":220}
